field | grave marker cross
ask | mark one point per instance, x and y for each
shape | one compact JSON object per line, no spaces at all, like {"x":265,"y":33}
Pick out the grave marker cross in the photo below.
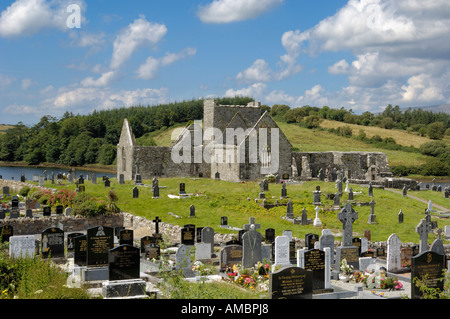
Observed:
{"x":423,"y":229}
{"x":252,"y":223}
{"x":347,"y":216}
{"x":157,"y":221}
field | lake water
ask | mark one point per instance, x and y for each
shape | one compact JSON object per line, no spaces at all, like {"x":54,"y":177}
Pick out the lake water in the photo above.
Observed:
{"x":12,"y":172}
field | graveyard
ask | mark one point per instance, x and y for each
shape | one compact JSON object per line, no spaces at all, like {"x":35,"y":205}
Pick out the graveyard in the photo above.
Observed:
{"x":170,"y":238}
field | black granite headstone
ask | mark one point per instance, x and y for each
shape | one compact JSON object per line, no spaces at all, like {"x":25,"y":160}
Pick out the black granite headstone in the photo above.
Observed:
{"x":124,"y":263}
{"x":431,"y":265}
{"x":99,"y":241}
{"x":52,"y":242}
{"x":291,"y":283}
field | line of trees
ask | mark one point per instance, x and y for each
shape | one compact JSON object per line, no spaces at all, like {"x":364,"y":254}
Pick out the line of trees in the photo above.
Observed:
{"x":77,"y":140}
{"x":425,"y":123}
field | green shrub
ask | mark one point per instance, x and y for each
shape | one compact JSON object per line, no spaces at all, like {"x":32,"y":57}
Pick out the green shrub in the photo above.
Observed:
{"x":24,"y":191}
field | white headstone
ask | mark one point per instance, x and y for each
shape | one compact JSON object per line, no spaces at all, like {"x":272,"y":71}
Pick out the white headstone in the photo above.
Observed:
{"x":202,"y":251}
{"x":393,"y":260}
{"x":317,"y":221}
{"x":282,"y":251}
{"x":22,"y":246}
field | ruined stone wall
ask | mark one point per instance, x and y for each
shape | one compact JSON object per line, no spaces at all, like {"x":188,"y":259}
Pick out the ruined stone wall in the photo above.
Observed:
{"x":157,"y":160}
{"x":354,"y":165}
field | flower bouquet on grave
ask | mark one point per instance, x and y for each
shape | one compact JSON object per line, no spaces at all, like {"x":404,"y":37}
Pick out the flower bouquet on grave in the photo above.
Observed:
{"x":346,"y":270}
{"x":200,"y":269}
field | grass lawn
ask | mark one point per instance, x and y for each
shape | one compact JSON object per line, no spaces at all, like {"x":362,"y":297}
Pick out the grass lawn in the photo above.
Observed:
{"x":214,"y":199}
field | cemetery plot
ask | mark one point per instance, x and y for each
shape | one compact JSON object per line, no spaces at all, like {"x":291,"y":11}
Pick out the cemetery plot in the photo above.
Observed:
{"x":427,"y":266}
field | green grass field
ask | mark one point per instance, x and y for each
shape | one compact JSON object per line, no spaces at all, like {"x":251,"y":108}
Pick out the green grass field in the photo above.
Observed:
{"x":214,"y":199}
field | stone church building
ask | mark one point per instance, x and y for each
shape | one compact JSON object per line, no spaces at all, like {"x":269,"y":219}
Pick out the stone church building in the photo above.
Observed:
{"x":241,"y":143}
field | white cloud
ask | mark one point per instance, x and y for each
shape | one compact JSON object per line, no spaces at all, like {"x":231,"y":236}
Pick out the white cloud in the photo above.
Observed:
{"x":226,"y":11}
{"x":256,"y":91}
{"x":150,"y":68}
{"x":5,"y":81}
{"x":258,"y":72}
{"x":20,"y":109}
{"x":26,"y":83}
{"x":90,"y":98}
{"x":28,"y":17}
{"x":136,"y":34}
{"x":340,"y":67}
{"x":104,"y":80}
{"x":84,"y":39}
{"x":401,"y":50}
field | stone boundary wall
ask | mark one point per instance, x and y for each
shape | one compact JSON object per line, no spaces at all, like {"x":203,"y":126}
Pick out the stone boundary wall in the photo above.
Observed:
{"x":15,"y":186}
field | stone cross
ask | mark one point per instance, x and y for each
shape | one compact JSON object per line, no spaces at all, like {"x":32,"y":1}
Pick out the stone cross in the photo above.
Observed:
{"x":423,"y":229}
{"x":157,"y":221}
{"x":252,"y":223}
{"x":347,"y":216}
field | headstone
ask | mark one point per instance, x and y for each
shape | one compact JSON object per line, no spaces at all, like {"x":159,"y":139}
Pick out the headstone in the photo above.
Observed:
{"x":315,"y":261}
{"x":291,"y":283}
{"x":423,"y":229}
{"x":430,"y":264}
{"x":183,"y":260}
{"x":59,"y":210}
{"x":207,"y":236}
{"x":41,"y":181}
{"x":121,"y":179}
{"x":52,"y":242}
{"x":370,"y":189}
{"x":337,"y":201}
{"x":283,"y":191}
{"x":339,"y":186}
{"x":202,"y":251}
{"x":47,"y":211}
{"x":290,"y":210}
{"x":6,"y":231}
{"x":124,"y":263}
{"x":393,"y":262}
{"x":317,"y":221}
{"x":70,"y":241}
{"x":94,"y":178}
{"x":22,"y":246}
{"x":404,"y":190}
{"x":326,"y":240}
{"x":107,"y":183}
{"x":357,"y":243}
{"x":269,"y":235}
{"x":310,"y":240}
{"x":304,"y":220}
{"x":80,"y":250}
{"x":372,"y":216}
{"x":347,"y":216}
{"x":350,"y":195}
{"x":317,"y":197}
{"x":282,"y":252}
{"x":126,"y":237}
{"x":29,"y":213}
{"x":100,"y":240}
{"x":188,"y":235}
{"x":401,"y":217}
{"x":251,"y":242}
{"x":192,"y":211}
{"x":230,"y":255}
{"x":182,"y":189}
{"x":224,"y":221}
{"x":135,"y":192}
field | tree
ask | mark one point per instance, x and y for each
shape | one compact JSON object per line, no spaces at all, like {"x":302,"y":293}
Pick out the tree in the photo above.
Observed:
{"x":436,"y":130}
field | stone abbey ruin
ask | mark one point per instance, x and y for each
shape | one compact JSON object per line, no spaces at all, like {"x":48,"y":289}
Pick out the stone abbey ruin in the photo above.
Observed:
{"x":242,"y":143}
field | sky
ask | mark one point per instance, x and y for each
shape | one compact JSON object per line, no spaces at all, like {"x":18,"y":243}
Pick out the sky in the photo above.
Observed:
{"x":86,"y":55}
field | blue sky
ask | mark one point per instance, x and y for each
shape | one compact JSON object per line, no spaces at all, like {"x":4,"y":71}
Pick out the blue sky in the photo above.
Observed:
{"x":357,"y":54}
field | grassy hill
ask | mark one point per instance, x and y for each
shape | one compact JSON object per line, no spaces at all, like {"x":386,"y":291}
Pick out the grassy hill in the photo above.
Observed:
{"x":315,"y":140}
{"x":4,"y":128}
